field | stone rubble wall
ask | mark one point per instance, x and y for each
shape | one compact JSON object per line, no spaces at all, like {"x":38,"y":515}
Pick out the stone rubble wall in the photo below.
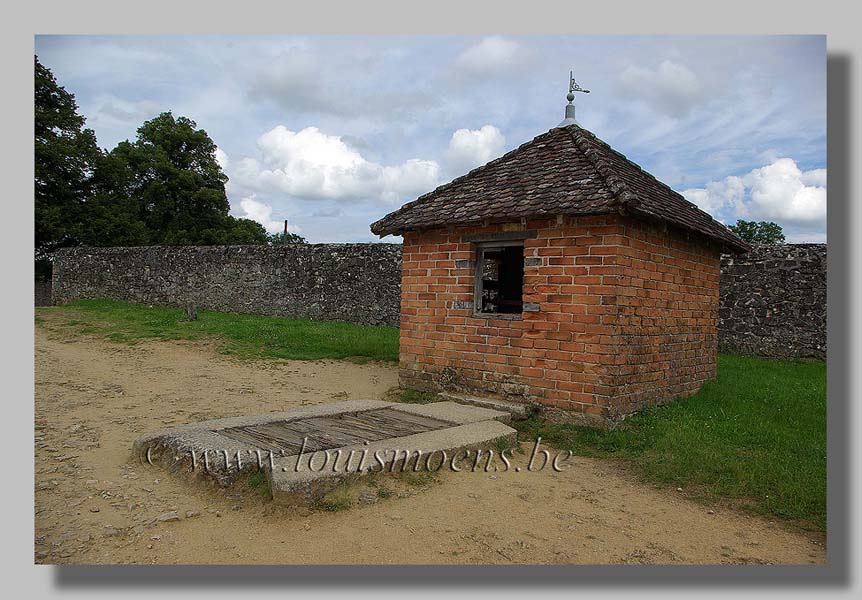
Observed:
{"x":773,"y":302}
{"x":42,"y":292}
{"x":359,"y":283}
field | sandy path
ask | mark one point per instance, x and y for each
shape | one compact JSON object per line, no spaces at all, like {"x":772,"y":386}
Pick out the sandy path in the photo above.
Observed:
{"x":95,"y":504}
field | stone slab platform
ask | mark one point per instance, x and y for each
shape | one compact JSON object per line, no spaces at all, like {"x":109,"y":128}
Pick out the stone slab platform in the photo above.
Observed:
{"x":517,"y":410}
{"x":307,"y":452}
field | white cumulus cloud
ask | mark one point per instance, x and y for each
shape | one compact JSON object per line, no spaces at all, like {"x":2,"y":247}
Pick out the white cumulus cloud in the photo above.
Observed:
{"x":222,"y":158}
{"x":470,"y":148}
{"x":492,"y":56}
{"x":672,"y":89}
{"x":779,"y":192}
{"x":717,"y":195}
{"x":262,"y":213}
{"x":310,"y":164}
{"x":815,"y":177}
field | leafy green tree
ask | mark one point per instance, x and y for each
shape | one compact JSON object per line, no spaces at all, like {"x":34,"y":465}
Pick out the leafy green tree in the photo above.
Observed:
{"x":111,"y":216}
{"x":66,"y":155}
{"x":171,"y":173}
{"x":759,"y":232}
{"x":275,"y":239}
{"x":166,"y":187}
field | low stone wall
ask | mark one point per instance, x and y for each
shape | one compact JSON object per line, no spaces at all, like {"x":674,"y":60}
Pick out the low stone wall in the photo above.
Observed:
{"x":359,"y":283}
{"x":773,"y":301}
{"x":42,"y":292}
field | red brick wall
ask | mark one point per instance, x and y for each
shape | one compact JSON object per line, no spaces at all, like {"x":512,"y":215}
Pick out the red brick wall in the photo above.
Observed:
{"x":667,"y":303}
{"x":627,"y":314}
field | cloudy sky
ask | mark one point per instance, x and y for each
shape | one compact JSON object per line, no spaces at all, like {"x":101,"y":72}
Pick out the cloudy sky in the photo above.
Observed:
{"x":333,"y":132}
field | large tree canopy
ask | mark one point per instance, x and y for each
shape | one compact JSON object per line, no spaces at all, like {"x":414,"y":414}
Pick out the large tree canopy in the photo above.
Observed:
{"x":166,"y":187}
{"x":171,"y":174}
{"x":66,"y":156}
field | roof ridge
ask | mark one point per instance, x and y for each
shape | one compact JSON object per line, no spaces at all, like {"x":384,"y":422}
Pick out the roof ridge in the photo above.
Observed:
{"x":662,"y":184}
{"x":622,"y":195}
{"x":565,"y":170}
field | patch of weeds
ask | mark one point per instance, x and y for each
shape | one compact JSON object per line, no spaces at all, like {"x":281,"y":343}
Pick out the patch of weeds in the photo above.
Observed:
{"x":409,"y":396}
{"x":382,"y":490}
{"x":417,"y":478}
{"x":257,"y":481}
{"x":336,"y":501}
{"x":533,"y":411}
{"x":503,"y":444}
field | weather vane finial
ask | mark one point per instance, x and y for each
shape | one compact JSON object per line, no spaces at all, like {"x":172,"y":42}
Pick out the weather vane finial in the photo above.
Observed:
{"x":570,"y":108}
{"x":574,"y":87}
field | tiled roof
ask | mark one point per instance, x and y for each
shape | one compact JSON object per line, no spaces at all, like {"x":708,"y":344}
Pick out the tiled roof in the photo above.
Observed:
{"x":566,"y":171}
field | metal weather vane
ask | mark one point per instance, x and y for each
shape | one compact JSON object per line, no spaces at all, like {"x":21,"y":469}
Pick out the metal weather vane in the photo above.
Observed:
{"x":570,"y":108}
{"x":574,"y":87}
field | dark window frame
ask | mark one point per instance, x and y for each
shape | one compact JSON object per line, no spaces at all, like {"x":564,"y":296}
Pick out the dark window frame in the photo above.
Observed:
{"x":478,"y":281}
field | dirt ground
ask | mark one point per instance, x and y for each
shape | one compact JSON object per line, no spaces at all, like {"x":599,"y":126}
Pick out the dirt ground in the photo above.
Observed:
{"x":95,"y":503}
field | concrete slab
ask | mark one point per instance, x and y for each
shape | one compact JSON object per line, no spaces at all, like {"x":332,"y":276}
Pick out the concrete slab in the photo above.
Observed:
{"x":307,"y":452}
{"x":518,"y":411}
{"x":307,"y":478}
{"x":456,"y":413}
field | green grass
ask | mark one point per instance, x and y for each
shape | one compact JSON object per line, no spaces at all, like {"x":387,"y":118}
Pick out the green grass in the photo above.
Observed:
{"x":756,"y":434}
{"x":248,"y":336}
{"x":257,"y":481}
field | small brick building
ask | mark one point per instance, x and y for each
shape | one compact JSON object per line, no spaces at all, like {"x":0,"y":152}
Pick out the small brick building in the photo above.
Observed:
{"x":561,"y":274}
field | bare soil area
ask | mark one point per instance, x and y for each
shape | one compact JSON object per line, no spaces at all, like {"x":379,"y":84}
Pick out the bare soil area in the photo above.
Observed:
{"x":95,"y":503}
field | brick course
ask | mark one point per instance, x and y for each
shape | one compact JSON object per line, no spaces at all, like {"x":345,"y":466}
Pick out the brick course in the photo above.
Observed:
{"x":624,"y":314}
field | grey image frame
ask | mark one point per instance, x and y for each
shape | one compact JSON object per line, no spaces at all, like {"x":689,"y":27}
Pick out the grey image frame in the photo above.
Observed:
{"x":507,"y":580}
